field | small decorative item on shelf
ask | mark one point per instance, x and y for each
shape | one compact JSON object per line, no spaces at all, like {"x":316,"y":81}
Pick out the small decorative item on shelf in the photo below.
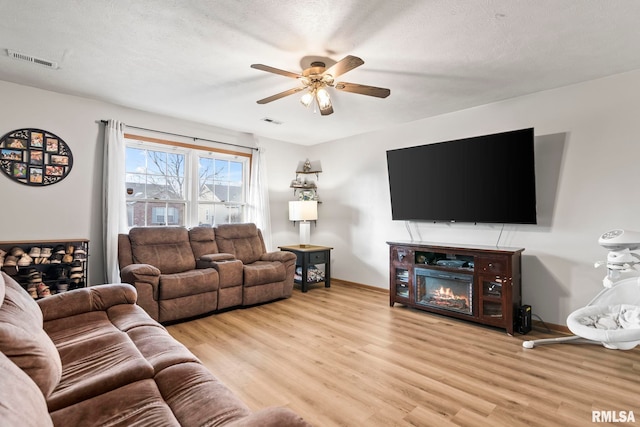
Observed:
{"x":314,"y":274}
{"x":308,"y":166}
{"x":303,"y":187}
{"x":34,"y":157}
{"x":307,"y":195}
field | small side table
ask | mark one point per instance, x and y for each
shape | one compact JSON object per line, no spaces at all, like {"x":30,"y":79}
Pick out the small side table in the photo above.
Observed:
{"x":311,"y":255}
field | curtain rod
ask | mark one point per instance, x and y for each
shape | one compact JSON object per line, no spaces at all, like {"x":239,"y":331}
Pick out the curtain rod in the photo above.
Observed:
{"x":185,"y":136}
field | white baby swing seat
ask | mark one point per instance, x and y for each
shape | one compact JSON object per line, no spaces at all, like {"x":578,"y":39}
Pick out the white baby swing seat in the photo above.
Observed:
{"x":612,"y":319}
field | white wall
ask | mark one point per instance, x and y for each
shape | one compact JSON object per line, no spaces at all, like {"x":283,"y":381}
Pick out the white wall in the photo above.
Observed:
{"x":72,"y":208}
{"x":587,"y":155}
{"x":282,"y":160}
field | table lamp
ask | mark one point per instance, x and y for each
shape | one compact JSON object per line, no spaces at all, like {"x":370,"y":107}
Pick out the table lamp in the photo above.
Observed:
{"x":304,"y":211}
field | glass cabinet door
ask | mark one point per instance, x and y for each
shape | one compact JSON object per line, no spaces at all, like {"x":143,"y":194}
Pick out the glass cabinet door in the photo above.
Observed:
{"x":492,"y":304}
{"x":402,"y":282}
{"x":492,"y":288}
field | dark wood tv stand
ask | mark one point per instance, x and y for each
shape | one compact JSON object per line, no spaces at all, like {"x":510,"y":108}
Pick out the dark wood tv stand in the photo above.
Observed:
{"x":481,"y":284}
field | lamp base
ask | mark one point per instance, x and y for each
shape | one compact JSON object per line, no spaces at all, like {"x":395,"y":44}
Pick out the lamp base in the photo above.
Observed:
{"x":305,"y":233}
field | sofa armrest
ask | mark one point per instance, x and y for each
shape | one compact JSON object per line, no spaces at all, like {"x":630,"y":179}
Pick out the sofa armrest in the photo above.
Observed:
{"x":230,"y":272}
{"x":83,"y":300}
{"x":282,"y":256}
{"x":146,"y":279}
{"x":208,"y":260}
{"x":142,"y":273}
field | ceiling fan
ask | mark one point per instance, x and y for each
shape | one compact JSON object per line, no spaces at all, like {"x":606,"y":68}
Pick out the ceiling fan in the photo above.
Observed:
{"x":317,"y":78}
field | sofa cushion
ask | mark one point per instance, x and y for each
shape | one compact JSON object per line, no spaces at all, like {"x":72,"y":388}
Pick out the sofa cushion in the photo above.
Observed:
{"x":261,"y":272}
{"x":125,"y":317}
{"x":21,"y":401}
{"x":203,"y":241}
{"x":159,"y":348}
{"x":197,"y":398}
{"x":97,"y":365}
{"x":188,"y":283}
{"x":258,"y":294}
{"x":23,"y":339}
{"x":166,"y":248}
{"x":136,"y":404}
{"x":188,"y":306}
{"x":76,"y":329}
{"x":244,"y":241}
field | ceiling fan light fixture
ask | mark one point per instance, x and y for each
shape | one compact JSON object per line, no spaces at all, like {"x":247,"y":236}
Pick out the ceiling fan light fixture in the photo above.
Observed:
{"x":324,"y":101}
{"x":315,"y":80}
{"x":307,"y":98}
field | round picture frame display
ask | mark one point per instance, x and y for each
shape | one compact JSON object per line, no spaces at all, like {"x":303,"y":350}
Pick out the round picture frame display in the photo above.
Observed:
{"x":35,"y":157}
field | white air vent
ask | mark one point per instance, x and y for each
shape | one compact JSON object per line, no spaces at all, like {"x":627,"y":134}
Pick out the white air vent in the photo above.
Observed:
{"x":272,"y":121}
{"x":24,"y":57}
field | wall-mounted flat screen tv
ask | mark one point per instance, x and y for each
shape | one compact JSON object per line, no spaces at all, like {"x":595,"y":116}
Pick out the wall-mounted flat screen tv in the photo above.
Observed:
{"x":485,"y":179}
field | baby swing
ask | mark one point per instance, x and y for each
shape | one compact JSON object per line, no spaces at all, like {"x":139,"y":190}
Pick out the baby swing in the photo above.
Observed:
{"x":612,"y":318}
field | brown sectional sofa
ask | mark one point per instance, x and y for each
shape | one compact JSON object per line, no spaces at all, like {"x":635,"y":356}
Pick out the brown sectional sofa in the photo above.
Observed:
{"x":180,"y":273}
{"x":93,"y":357}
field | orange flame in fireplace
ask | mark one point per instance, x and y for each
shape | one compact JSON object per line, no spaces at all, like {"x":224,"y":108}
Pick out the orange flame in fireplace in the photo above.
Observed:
{"x":447,"y":294}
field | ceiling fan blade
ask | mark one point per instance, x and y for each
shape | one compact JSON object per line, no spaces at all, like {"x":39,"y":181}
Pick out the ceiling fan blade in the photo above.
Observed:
{"x":275,"y":71}
{"x":347,"y":63}
{"x":378,"y":92}
{"x":327,"y":111}
{"x":280,"y":95}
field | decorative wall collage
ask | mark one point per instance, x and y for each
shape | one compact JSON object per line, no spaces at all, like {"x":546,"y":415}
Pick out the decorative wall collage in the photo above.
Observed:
{"x":34,"y":157}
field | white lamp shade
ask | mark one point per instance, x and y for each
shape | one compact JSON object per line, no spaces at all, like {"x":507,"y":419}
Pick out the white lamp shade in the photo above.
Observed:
{"x":324,"y":101}
{"x":306,"y":99}
{"x":303,"y":210}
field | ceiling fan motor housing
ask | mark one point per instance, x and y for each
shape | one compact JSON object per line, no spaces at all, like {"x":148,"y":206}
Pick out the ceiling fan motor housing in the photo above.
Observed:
{"x":315,"y":71}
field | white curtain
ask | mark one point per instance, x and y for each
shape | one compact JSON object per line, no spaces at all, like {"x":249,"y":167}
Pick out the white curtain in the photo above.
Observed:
{"x":114,"y":209}
{"x":258,"y":203}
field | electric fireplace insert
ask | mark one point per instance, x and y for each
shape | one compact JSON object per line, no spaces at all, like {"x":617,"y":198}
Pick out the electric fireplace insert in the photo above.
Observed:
{"x":444,"y":290}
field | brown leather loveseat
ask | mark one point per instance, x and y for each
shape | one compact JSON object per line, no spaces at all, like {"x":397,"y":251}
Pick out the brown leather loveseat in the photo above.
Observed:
{"x":92,"y":357}
{"x":159,"y":262}
{"x":180,"y":273}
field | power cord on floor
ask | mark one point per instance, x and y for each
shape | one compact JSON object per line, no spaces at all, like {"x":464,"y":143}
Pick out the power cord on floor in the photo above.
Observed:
{"x":542,"y":321}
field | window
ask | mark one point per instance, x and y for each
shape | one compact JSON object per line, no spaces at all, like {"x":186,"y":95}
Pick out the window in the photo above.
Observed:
{"x":183,"y":185}
{"x":221,"y":190}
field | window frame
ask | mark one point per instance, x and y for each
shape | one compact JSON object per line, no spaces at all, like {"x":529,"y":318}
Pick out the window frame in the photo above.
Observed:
{"x":193,"y":153}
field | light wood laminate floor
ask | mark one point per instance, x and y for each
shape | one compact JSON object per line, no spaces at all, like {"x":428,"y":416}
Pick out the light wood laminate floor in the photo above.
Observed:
{"x":341,"y":356}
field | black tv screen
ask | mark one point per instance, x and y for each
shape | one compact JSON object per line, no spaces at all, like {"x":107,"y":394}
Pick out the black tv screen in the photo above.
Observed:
{"x":487,"y":179}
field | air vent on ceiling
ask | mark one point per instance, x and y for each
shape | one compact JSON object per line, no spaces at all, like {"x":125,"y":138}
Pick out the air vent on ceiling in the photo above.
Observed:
{"x":272,"y":121}
{"x":29,"y":58}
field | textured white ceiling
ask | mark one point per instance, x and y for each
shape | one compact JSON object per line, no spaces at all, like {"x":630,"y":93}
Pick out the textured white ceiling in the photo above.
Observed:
{"x":191,"y":59}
